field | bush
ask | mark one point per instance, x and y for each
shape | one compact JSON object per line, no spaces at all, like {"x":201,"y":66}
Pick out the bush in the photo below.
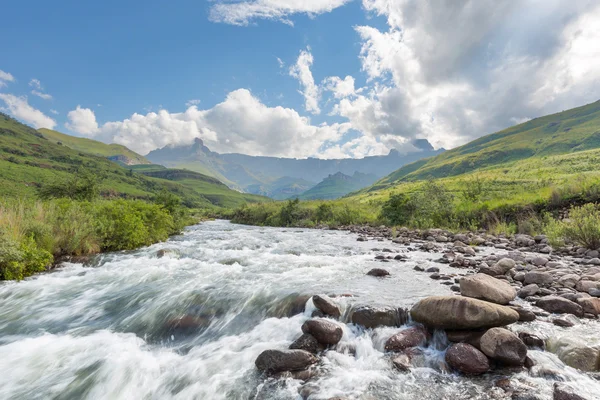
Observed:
{"x":398,"y":210}
{"x":324,"y":213}
{"x":18,"y":260}
{"x":83,"y":186}
{"x":290,"y":213}
{"x":582,"y":227}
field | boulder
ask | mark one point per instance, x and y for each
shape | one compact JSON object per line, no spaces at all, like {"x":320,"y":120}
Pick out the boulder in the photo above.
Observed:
{"x":590,"y":305}
{"x":529,"y":290}
{"x":524,"y":315}
{"x":587,"y":286}
{"x":325,"y":331}
{"x":538,"y":277}
{"x":500,"y":268}
{"x":569,"y":280}
{"x":471,"y":337}
{"x":504,"y":346}
{"x":372,"y":317}
{"x":563,"y":391}
{"x":532,"y":340}
{"x":575,"y":353}
{"x":407,"y":338}
{"x":274,"y":361}
{"x":307,"y":342}
{"x":485,"y":287}
{"x":559,"y":305}
{"x":539,"y":261}
{"x":467,"y":359}
{"x":326,"y":306}
{"x":378,"y":272}
{"x":455,"y":312}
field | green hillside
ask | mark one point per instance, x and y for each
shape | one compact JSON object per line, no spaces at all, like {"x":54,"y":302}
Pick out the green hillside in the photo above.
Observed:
{"x":338,"y":185}
{"x":562,"y":133}
{"x":29,"y":160}
{"x":115,"y":151}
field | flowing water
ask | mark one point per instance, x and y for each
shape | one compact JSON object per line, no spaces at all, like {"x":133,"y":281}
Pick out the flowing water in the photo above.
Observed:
{"x":189,"y":325}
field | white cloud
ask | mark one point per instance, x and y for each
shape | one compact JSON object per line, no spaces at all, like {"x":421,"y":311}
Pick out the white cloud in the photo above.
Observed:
{"x":82,"y":121}
{"x":54,"y":112}
{"x":5,"y":77}
{"x":281,"y":63}
{"x":38,"y":89}
{"x":340,"y":87}
{"x":241,"y":123}
{"x":42,"y":95}
{"x":20,"y":108}
{"x":243,"y":12}
{"x":193,"y":102}
{"x":310,"y":91}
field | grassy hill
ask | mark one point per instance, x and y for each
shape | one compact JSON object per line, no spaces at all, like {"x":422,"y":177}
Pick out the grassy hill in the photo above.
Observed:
{"x":116,"y":152}
{"x":562,"y":133}
{"x":338,"y":185}
{"x":28,"y":160}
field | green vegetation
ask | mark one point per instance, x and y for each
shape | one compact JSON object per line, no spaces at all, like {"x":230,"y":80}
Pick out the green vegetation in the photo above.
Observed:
{"x":582,"y":227}
{"x":338,"y":185}
{"x":115,"y":151}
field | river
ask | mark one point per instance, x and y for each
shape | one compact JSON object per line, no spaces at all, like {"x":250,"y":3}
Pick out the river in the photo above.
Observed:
{"x":110,"y":330}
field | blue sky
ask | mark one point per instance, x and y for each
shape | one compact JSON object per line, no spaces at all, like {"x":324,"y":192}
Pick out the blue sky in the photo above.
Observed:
{"x":326,"y":78}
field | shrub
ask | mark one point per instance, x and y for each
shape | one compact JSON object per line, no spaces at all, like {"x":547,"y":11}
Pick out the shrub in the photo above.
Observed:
{"x":324,"y":213}
{"x":18,"y":260}
{"x":290,"y":213}
{"x":83,"y":186}
{"x":582,"y":227}
{"x":398,"y":210}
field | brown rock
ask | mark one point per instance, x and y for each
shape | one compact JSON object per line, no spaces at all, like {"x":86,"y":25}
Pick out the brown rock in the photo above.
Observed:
{"x":372,"y":317}
{"x":325,"y":331}
{"x":590,"y":305}
{"x":307,"y":342}
{"x":467,"y":359}
{"x":274,"y":361}
{"x":565,"y":392}
{"x":326,"y":306}
{"x":378,"y":272}
{"x":406,"y":338}
{"x":559,"y":305}
{"x":504,"y":346}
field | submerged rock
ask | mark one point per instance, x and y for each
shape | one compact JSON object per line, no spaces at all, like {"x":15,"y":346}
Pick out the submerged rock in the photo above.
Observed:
{"x":325,"y":331}
{"x":565,"y":392}
{"x":485,"y":287}
{"x":407,"y":338}
{"x":274,"y":361}
{"x":378,"y":272}
{"x":372,"y":317}
{"x":467,"y":359}
{"x":326,"y":305}
{"x":455,"y":312}
{"x":504,"y":346}
{"x":575,"y":353}
{"x":308,"y":343}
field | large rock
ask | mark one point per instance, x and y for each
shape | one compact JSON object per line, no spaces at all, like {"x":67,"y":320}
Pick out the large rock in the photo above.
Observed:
{"x":274,"y":361}
{"x":565,"y":392}
{"x":529,"y":290}
{"x":559,"y":305}
{"x":378,"y":272}
{"x":326,"y":332}
{"x":538,"y":277}
{"x":590,"y":305}
{"x":485,"y":287}
{"x":504,"y":346}
{"x":307,"y":342}
{"x":470,"y":337}
{"x":500,"y":268}
{"x":326,"y":306}
{"x":372,"y":317}
{"x":455,"y":312}
{"x":467,"y":359}
{"x":575,"y":353}
{"x":407,"y":338}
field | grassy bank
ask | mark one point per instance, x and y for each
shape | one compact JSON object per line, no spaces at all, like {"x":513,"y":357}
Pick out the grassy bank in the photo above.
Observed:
{"x":35,"y":233}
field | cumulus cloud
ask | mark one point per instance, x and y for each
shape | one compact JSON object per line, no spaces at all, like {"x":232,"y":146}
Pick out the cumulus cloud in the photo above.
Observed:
{"x":243,"y":12}
{"x":506,"y":63}
{"x":310,"y":90}
{"x":82,"y":121}
{"x":5,"y":77}
{"x":241,"y":123}
{"x":20,"y":108}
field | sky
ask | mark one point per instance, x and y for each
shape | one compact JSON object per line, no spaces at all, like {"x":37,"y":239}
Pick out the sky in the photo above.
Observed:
{"x":289,"y":78}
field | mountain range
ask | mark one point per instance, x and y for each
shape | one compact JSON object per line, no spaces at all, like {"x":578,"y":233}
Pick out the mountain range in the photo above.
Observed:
{"x":281,"y":177}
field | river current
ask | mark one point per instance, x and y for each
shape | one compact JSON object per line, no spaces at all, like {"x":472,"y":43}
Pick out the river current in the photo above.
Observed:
{"x":190,"y":324}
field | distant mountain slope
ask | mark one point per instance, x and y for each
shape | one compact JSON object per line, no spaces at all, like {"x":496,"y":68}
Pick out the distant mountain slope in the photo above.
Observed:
{"x":338,"y":185}
{"x":114,"y":152}
{"x":28,"y":160}
{"x":257,"y":174}
{"x":282,"y":188}
{"x":565,"y":132}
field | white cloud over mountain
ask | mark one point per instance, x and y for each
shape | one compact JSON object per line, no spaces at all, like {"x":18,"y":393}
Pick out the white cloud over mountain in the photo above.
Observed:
{"x":20,"y":108}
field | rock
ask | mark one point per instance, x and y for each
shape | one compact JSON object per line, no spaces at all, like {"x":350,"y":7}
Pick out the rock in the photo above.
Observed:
{"x":575,"y":353}
{"x":378,"y":272}
{"x":372,"y":317}
{"x":292,"y":305}
{"x":565,"y":392}
{"x":539,"y":261}
{"x":402,"y":362}
{"x":562,"y":322}
{"x":455,"y":312}
{"x":524,"y":315}
{"x":406,"y":338}
{"x":529,"y":290}
{"x":559,"y":305}
{"x":504,"y":346}
{"x":308,"y":343}
{"x":541,"y":278}
{"x":485,"y":287}
{"x":532,"y":340}
{"x":569,"y":280}
{"x":467,"y":359}
{"x":326,"y":305}
{"x":470,"y":337}
{"x":325,"y":331}
{"x":587,"y":286}
{"x":500,"y":268}
{"x":432,"y":269}
{"x":590,"y":305}
{"x":274,"y":361}
{"x":419,"y":268}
